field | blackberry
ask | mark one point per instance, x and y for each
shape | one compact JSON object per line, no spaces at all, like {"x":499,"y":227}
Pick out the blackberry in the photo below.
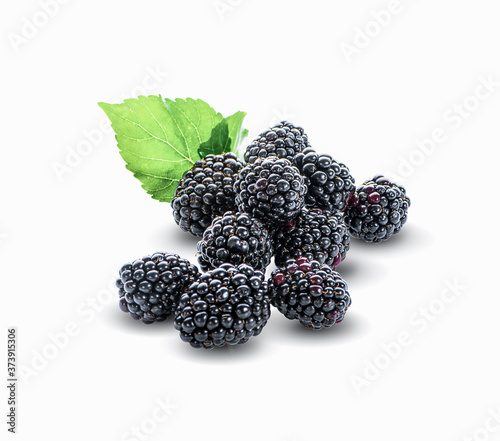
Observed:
{"x":310,"y":292}
{"x":328,"y":181}
{"x":149,"y":287}
{"x":226,"y":305}
{"x":283,"y":140}
{"x":271,"y":190}
{"x":377,"y":210}
{"x":235,"y":238}
{"x":315,"y":234}
{"x":205,"y":191}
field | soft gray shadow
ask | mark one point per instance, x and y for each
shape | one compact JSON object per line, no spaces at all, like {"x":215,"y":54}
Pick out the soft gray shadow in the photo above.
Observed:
{"x":174,"y":345}
{"x":226,"y":353}
{"x":174,"y":238}
{"x":410,"y":237}
{"x":352,"y":327}
{"x":361,"y":272}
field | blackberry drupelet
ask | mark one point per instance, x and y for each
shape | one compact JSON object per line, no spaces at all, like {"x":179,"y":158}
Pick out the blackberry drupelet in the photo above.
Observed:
{"x":271,"y":190}
{"x":204,"y":264}
{"x":235,"y":238}
{"x":310,"y":292}
{"x":226,"y":305}
{"x":315,"y":234}
{"x":283,"y":140}
{"x":149,"y":287}
{"x":206,"y":191}
{"x":344,"y":233}
{"x":377,"y":210}
{"x":328,"y":181}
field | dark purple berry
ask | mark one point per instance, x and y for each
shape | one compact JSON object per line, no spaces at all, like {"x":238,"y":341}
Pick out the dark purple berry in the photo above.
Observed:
{"x":381,"y":210}
{"x":317,"y":235}
{"x":205,"y":191}
{"x":150,"y":287}
{"x":235,"y":238}
{"x":284,"y":140}
{"x":312,"y":293}
{"x":329,"y":183}
{"x":225,"y":306}
{"x":274,"y":203}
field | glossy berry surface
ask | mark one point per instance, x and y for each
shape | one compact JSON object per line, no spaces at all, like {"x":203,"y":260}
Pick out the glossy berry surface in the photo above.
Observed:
{"x":316,"y":234}
{"x":271,"y":190}
{"x":206,"y":191}
{"x":377,"y":210}
{"x":149,"y":287}
{"x":328,"y":182}
{"x":309,"y":292}
{"x":283,"y":140}
{"x":225,"y":306}
{"x":235,"y":238}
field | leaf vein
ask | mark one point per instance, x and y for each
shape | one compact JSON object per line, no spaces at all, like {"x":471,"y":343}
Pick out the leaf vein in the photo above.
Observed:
{"x":151,"y":134}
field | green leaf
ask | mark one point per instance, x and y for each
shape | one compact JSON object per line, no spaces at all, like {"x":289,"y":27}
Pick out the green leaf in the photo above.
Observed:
{"x":195,"y":118}
{"x":159,"y":140}
{"x":161,"y":189}
{"x":236,"y":133}
{"x":225,"y":137}
{"x":219,"y":141}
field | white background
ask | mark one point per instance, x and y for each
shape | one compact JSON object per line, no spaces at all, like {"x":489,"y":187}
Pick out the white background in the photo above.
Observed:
{"x":64,"y":235}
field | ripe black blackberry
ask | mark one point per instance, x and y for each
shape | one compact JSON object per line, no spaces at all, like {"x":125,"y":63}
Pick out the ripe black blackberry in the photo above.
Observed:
{"x":206,"y":191}
{"x":235,"y":238}
{"x":149,"y":287}
{"x":377,"y":210}
{"x":271,"y":190}
{"x":283,"y":140}
{"x":310,"y":292}
{"x":328,"y":181}
{"x":226,"y":305}
{"x":315,"y":234}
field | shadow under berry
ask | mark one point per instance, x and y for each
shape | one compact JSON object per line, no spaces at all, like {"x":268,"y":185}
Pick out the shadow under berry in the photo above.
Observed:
{"x":411,"y":238}
{"x":352,"y":327}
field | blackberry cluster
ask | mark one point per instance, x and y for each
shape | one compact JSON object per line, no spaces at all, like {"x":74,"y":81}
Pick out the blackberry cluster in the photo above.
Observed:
{"x":286,"y":201}
{"x":235,"y":238}
{"x":227,"y":305}
{"x":310,"y":292}
{"x":149,"y":287}
{"x":377,"y":210}
{"x":283,"y":140}
{"x":206,"y":191}
{"x":328,"y":182}
{"x":271,"y":190}
{"x":315,"y":234}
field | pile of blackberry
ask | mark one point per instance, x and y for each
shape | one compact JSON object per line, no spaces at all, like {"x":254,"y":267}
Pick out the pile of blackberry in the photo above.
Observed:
{"x":286,"y":201}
